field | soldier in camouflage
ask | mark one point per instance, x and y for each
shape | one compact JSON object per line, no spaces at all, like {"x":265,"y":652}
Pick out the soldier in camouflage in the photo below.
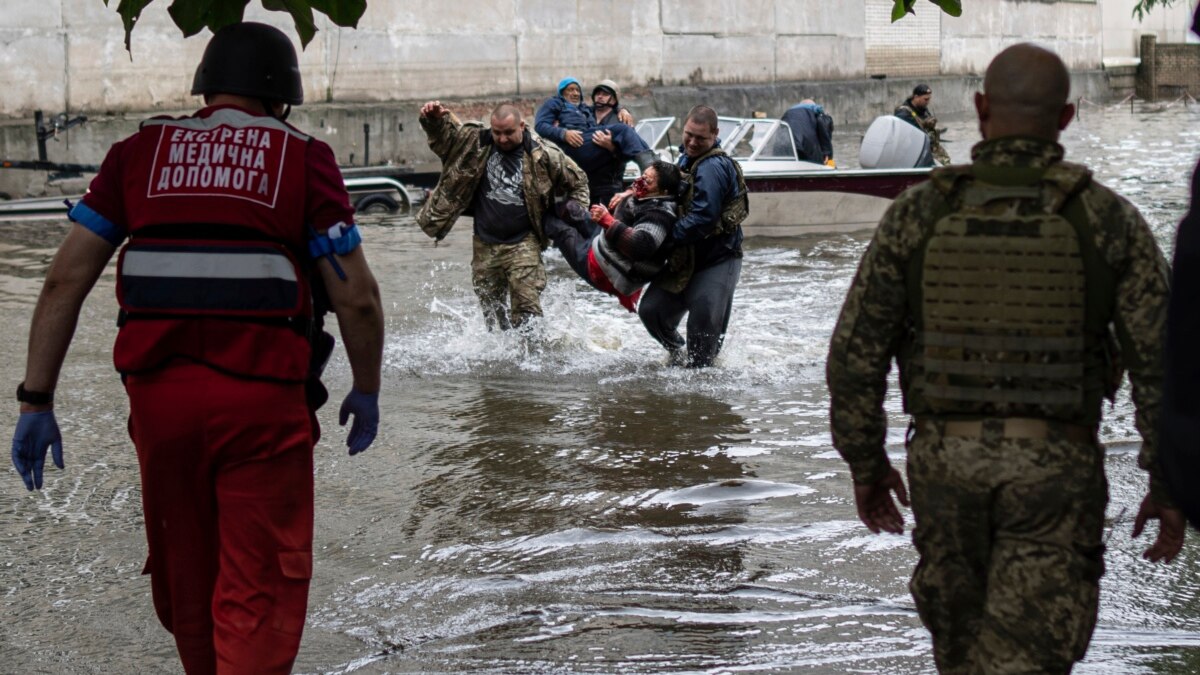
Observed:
{"x":915,"y":111}
{"x":507,"y":179}
{"x":1003,"y":289}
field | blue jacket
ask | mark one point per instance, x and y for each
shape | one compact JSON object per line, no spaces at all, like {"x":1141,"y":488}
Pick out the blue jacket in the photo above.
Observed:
{"x":811,"y":129}
{"x":715,"y":184}
{"x":568,"y":115}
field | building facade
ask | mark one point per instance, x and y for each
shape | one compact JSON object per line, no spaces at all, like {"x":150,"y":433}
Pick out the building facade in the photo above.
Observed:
{"x":69,"y":55}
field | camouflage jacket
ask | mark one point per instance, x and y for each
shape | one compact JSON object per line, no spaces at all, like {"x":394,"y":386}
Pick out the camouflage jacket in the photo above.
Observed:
{"x":876,"y":319}
{"x":925,"y":121}
{"x":464,"y":149}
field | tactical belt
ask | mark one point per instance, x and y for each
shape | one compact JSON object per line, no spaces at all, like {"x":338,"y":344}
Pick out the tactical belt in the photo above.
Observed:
{"x":1007,"y":427}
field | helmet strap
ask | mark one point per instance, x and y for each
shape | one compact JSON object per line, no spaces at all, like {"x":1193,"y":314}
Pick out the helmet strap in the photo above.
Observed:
{"x":269,"y":107}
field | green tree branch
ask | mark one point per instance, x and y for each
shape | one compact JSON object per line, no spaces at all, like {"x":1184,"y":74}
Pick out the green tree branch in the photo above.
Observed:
{"x":192,"y":16}
{"x":902,"y":8}
{"x":1143,"y":6}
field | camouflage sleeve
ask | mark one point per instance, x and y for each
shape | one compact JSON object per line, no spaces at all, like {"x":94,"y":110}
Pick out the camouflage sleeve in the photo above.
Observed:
{"x":1140,"y":321}
{"x":441,"y":132}
{"x":865,"y":339}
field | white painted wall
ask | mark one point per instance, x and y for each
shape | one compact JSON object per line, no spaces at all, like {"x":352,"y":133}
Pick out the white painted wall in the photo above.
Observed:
{"x":60,"y":55}
{"x":1122,"y":32}
{"x":1072,"y":28}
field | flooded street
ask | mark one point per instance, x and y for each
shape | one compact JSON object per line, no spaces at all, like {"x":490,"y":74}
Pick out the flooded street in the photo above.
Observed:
{"x":576,"y":506}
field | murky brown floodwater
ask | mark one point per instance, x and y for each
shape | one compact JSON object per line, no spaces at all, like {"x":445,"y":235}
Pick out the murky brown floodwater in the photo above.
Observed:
{"x":577,"y":507}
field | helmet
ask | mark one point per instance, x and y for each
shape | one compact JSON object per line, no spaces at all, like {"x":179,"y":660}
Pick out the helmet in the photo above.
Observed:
{"x":250,"y":59}
{"x":609,"y":86}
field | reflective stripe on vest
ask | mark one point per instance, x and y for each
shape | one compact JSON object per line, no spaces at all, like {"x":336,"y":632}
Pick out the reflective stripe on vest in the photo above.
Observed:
{"x":209,"y":278}
{"x":1002,"y":313}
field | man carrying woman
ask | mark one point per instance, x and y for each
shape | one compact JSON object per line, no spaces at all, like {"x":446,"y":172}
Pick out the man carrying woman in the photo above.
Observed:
{"x":571,"y":123}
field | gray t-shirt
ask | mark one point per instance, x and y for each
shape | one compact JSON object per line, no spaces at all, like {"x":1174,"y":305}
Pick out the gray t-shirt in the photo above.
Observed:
{"x":501,"y":216}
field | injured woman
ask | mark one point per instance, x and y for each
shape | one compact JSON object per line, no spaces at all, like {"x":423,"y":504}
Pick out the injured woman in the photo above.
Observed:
{"x":620,"y":252}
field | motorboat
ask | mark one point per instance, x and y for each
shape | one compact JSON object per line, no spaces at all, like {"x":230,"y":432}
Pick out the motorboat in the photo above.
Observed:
{"x":789,"y":196}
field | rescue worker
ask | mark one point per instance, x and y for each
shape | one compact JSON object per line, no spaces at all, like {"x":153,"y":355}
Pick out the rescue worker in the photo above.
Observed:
{"x":703,"y":269}
{"x":915,"y":111}
{"x":507,"y":179}
{"x":230,"y":219}
{"x":571,"y":123}
{"x":812,"y":132}
{"x":620,"y":253}
{"x":1181,"y":405}
{"x":608,"y":180}
{"x":998,"y":287}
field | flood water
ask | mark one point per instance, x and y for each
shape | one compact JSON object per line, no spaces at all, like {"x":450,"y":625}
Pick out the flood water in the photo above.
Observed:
{"x":576,"y":506}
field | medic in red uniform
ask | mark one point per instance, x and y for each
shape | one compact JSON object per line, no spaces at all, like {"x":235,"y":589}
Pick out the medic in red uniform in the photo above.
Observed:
{"x":231,"y":221}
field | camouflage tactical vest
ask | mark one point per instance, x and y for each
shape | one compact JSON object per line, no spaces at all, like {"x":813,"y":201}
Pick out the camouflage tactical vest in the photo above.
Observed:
{"x":1001,"y":302}
{"x":735,"y":210}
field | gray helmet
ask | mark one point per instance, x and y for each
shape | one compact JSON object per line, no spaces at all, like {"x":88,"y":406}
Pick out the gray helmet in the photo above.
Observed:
{"x":609,"y":86}
{"x":250,"y":59}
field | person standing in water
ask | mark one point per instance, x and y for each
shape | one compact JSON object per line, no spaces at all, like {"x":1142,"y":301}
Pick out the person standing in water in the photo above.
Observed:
{"x":219,"y":346}
{"x":998,"y":287}
{"x":508,"y":178}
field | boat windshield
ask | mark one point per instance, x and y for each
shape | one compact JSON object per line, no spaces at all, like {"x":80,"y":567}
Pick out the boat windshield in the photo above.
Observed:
{"x":654,"y":129}
{"x":761,"y":139}
{"x":726,"y":126}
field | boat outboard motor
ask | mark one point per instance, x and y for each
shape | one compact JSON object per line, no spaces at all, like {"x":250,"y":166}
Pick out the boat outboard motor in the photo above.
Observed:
{"x":892,"y":143}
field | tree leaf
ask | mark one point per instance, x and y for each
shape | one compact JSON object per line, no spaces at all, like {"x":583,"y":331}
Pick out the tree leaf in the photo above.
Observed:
{"x":1143,"y":6}
{"x":341,"y":12}
{"x":130,"y":10}
{"x":302,"y":16}
{"x":901,"y":8}
{"x":224,"y":12}
{"x":951,"y":7}
{"x":190,"y":15}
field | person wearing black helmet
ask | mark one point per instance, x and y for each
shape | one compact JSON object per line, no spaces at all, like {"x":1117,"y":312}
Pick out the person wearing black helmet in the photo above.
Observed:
{"x":231,"y":222}
{"x":609,"y":179}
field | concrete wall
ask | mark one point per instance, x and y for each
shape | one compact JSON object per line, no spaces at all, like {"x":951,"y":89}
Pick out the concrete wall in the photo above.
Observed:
{"x":59,"y":55}
{"x":1122,"y":31}
{"x":397,"y":138}
{"x":1070,"y":28}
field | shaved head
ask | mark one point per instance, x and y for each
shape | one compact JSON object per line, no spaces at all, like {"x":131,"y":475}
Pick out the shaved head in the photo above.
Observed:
{"x":1025,"y":93}
{"x":506,"y":111}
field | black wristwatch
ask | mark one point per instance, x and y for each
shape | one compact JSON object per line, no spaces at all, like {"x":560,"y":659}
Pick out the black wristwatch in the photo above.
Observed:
{"x":34,"y":397}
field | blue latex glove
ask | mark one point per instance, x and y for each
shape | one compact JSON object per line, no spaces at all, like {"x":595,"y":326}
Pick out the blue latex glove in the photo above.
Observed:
{"x":37,"y":431}
{"x":365,"y":408}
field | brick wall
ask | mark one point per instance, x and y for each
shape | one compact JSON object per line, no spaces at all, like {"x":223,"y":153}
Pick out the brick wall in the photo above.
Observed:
{"x":1178,"y":69}
{"x":907,"y":48}
{"x":1168,"y":70}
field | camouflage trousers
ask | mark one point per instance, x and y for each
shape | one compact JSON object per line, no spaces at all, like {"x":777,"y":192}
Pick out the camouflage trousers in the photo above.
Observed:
{"x":499,"y":271}
{"x":1009,"y":532}
{"x":938,"y":151}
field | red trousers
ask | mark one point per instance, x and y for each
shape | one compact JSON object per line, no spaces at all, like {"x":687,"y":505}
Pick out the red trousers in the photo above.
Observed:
{"x":227,"y":489}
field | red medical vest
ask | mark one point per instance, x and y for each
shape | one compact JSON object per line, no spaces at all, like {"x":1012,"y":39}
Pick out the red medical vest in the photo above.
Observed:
{"x":189,"y":180}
